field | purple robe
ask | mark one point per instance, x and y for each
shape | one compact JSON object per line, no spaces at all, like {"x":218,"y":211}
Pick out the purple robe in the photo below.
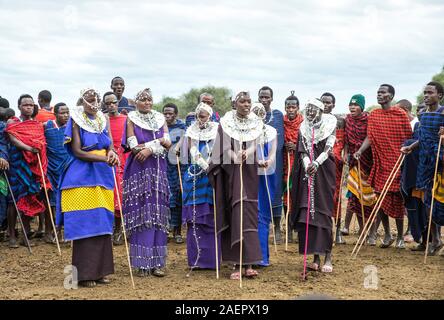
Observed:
{"x":145,"y":205}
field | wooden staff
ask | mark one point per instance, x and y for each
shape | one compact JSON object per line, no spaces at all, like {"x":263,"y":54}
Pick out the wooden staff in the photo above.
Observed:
{"x":361,"y":193}
{"x":180,"y":173}
{"x":123,"y":228}
{"x":433,"y":200}
{"x":215,"y":235}
{"x":382,"y":196}
{"x":338,"y":208}
{"x":310,"y":186}
{"x":288,"y":201}
{"x":241,"y":214}
{"x":49,"y":205}
{"x":374,"y":211}
{"x":269,"y":202}
{"x":18,"y":214}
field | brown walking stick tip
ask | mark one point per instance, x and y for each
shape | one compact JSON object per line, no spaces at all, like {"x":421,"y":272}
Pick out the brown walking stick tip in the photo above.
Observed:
{"x":215,"y":235}
{"x":269,"y":202}
{"x":402,"y":157}
{"x":361,"y":193}
{"x":18,"y":213}
{"x":123,"y":228}
{"x":288,"y":201}
{"x":378,"y":202}
{"x":433,"y":200}
{"x":49,"y":205}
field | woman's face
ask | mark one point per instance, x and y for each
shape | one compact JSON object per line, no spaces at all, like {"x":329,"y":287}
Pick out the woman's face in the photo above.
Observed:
{"x":90,"y":103}
{"x":144,"y":103}
{"x":312,"y":113}
{"x":203,"y":117}
{"x":260,"y":112}
{"x":243,"y":106}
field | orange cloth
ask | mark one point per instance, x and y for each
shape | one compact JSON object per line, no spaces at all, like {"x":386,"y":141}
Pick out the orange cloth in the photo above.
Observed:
{"x":45,"y":115}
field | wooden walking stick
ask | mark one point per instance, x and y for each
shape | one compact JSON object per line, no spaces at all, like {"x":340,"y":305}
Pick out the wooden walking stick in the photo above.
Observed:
{"x":338,"y":208}
{"x":49,"y":205}
{"x":288,"y":201}
{"x":241,"y":213}
{"x":433,"y":200}
{"x":378,"y":204}
{"x":310,"y":186}
{"x":374,"y":212}
{"x":123,"y":228}
{"x":361,"y":193}
{"x":215,"y":235}
{"x":180,"y":173}
{"x":269,"y":201}
{"x":376,"y":209}
{"x":18,"y":213}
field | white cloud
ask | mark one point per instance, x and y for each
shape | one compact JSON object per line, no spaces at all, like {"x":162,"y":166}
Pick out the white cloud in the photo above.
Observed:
{"x":344,"y":46}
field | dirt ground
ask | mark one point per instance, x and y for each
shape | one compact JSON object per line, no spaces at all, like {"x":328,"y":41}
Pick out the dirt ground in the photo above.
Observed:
{"x":401,"y":274}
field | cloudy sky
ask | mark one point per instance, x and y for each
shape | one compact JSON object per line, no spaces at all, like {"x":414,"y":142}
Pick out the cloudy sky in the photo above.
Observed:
{"x":341,"y":46}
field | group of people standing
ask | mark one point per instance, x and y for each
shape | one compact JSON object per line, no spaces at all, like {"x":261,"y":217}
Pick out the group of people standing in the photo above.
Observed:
{"x":115,"y":168}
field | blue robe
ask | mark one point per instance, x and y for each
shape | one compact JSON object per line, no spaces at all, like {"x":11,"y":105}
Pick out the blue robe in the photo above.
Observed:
{"x":430,"y":122}
{"x":124,"y":104}
{"x":176,"y":131}
{"x":4,"y":149}
{"x":58,"y":157}
{"x":92,"y":214}
{"x":275,"y":118}
{"x":416,"y":210}
{"x":264,"y":215}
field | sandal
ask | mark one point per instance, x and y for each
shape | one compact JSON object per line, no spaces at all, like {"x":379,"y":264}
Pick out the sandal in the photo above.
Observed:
{"x":371,"y":242}
{"x":103,"y":281}
{"x":178,"y":239}
{"x":400,"y":244}
{"x":313,"y":266}
{"x":235,"y":275}
{"x":159,"y":273}
{"x":118,"y":239}
{"x":327,"y":269}
{"x":386,"y":244}
{"x":420,"y":247}
{"x":345,"y":232}
{"x":251,"y":273}
{"x":87,"y":284}
{"x":13,"y":243}
{"x":142,"y":273}
{"x":433,"y":249}
{"x":49,"y":239}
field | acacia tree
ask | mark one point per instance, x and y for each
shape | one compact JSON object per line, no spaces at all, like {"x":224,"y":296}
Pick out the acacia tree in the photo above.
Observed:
{"x":439,"y":77}
{"x":188,"y":101}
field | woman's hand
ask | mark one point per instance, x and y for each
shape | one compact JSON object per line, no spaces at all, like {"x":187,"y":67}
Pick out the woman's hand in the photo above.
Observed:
{"x":242,"y":156}
{"x":312,"y":168}
{"x":4,"y":165}
{"x":143,"y":155}
{"x":406,"y":150}
{"x":33,"y":150}
{"x":264,"y":163}
{"x":112,"y":158}
{"x":291,"y":147}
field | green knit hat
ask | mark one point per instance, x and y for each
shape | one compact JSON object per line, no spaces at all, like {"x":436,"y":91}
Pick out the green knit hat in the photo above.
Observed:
{"x":358,"y":99}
